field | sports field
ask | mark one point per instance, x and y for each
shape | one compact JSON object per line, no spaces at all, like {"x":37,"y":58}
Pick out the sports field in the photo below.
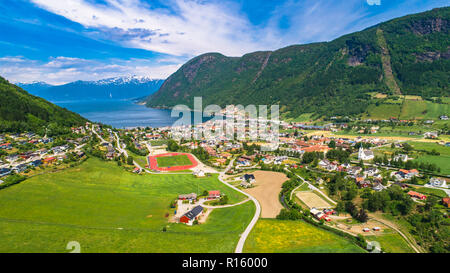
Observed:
{"x":107,"y":209}
{"x":284,"y":236}
{"x":172,"y":161}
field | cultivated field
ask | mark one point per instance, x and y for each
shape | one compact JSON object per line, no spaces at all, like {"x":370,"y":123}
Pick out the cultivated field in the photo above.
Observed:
{"x":107,"y":209}
{"x":266,"y":190}
{"x":284,"y":236}
{"x":312,"y":200}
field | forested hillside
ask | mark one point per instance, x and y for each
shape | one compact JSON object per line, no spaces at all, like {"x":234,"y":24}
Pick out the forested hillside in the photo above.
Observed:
{"x":405,"y":56}
{"x":20,"y":111}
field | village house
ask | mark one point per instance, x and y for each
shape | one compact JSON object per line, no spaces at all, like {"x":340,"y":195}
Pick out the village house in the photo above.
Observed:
{"x":213,"y":195}
{"x":446,"y":201}
{"x":401,"y":157}
{"x":249,"y":178}
{"x":431,"y":135}
{"x":4,"y":171}
{"x":6,"y":146}
{"x":438,"y":182}
{"x":417,"y":195}
{"x":364,"y":154}
{"x":190,"y":196}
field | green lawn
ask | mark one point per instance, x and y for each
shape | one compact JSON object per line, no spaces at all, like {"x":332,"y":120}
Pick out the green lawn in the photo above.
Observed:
{"x":171,"y":161}
{"x":107,"y":209}
{"x":392,"y":243}
{"x":430,"y":191}
{"x":284,"y":236}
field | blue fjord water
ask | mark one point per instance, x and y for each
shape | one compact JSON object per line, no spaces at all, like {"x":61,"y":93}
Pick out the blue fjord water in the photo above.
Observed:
{"x":120,"y":113}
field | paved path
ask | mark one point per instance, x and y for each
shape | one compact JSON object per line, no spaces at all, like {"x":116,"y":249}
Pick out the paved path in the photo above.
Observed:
{"x":244,"y":235}
{"x":224,"y":206}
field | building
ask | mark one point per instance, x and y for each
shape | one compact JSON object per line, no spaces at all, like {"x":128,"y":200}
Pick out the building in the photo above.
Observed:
{"x":401,"y":157}
{"x":249,"y":178}
{"x":4,"y":171}
{"x":365,"y":154}
{"x":190,"y":196}
{"x":417,"y":195}
{"x":446,"y":201}
{"x":49,"y":160}
{"x":190,"y":216}
{"x":438,"y":182}
{"x":213,"y":194}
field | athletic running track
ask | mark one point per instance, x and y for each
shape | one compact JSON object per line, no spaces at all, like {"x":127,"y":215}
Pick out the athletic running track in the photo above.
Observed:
{"x":154,"y":163}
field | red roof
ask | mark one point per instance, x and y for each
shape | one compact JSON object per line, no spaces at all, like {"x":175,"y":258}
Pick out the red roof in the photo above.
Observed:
{"x":49,"y":159}
{"x":214,"y":192}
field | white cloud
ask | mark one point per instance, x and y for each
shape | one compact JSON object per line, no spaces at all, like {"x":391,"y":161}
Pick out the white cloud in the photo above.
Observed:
{"x":61,"y":70}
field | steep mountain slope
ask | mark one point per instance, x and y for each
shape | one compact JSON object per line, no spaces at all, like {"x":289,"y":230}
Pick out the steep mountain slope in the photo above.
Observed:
{"x":20,"y":111}
{"x":113,"y":88}
{"x":409,"y":55}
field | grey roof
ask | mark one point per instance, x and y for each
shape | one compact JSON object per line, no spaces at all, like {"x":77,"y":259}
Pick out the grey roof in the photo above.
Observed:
{"x":194,"y":212}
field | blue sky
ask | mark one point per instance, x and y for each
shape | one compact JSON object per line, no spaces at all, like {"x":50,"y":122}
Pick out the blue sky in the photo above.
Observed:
{"x":59,"y":41}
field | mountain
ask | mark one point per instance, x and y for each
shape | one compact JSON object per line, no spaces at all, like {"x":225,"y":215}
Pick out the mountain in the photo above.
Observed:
{"x":112,"y":88}
{"x":408,"y":55}
{"x":34,"y":87}
{"x":20,"y":111}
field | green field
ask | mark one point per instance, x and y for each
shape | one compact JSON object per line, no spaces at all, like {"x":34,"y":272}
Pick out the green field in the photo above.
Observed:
{"x":412,"y":109}
{"x":284,"y":236}
{"x":430,"y":191}
{"x":442,"y":160}
{"x":107,"y":209}
{"x":171,"y":161}
{"x":383,"y":111}
{"x":391,"y":243}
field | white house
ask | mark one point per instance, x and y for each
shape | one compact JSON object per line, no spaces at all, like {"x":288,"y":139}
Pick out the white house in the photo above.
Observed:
{"x":365,"y":154}
{"x":438,"y":182}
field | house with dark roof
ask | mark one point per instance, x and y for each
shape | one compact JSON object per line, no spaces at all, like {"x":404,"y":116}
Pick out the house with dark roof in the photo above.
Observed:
{"x":190,"y":216}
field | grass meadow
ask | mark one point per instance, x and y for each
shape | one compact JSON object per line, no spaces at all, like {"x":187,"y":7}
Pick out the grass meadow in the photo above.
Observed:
{"x":284,"y":236}
{"x":107,"y":209}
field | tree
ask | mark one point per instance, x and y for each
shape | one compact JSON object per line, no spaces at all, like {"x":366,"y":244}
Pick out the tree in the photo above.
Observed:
{"x":332,"y":144}
{"x":130,"y":160}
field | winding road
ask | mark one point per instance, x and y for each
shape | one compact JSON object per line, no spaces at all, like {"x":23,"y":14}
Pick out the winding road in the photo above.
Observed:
{"x":244,"y":235}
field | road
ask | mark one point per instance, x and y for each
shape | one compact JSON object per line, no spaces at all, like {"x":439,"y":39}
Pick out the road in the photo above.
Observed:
{"x":408,"y":241}
{"x":244,"y":235}
{"x":314,"y":188}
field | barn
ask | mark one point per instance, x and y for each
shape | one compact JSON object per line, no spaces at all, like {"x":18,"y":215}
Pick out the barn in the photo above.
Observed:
{"x":191,"y":215}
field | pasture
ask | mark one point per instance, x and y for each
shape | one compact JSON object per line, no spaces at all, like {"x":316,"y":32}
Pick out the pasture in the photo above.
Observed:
{"x":284,"y":236}
{"x":107,"y":209}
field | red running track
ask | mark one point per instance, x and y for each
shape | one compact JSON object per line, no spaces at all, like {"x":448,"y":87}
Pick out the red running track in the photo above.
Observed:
{"x":154,"y":163}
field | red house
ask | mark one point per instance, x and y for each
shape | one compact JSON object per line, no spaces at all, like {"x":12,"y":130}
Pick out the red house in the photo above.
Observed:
{"x":417,"y":195}
{"x":213,"y":194}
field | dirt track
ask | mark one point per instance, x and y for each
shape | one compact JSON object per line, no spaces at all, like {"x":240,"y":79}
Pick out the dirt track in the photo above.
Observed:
{"x":266,"y":191}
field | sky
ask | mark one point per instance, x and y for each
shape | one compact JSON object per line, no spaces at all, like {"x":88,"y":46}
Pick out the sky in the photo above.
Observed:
{"x":60,"y":41}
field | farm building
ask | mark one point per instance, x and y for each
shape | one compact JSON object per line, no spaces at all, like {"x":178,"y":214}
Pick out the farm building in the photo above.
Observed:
{"x":417,"y":195}
{"x":191,"y":215}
